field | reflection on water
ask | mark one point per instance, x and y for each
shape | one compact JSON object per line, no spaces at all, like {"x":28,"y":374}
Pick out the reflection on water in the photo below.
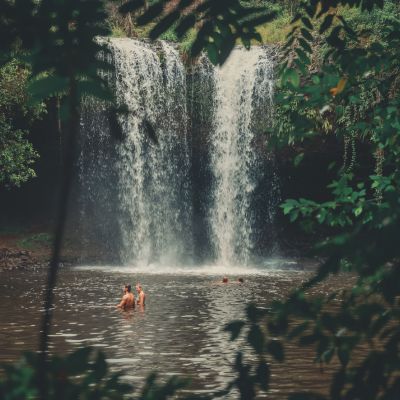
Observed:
{"x":178,"y":332}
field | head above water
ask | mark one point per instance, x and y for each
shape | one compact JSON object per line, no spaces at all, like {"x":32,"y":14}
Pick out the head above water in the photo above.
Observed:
{"x":224,"y":279}
{"x":240,"y":280}
{"x":138,"y":287}
{"x":128,"y":288}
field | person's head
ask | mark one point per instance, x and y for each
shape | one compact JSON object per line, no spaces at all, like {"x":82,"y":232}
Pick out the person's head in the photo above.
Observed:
{"x":127,"y":288}
{"x":240,"y":280}
{"x":224,"y":279}
{"x":139,"y":287}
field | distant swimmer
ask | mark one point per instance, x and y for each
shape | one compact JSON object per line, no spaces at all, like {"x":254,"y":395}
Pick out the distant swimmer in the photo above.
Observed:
{"x":141,"y":295}
{"x":240,"y":280}
{"x":224,"y":279}
{"x":128,"y":299}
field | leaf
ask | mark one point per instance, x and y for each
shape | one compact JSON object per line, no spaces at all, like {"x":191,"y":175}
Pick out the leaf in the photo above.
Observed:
{"x":234,"y":328}
{"x":298,"y":159}
{"x":298,"y":330}
{"x":306,"y":21}
{"x":291,"y":75}
{"x":131,"y":6}
{"x":287,"y":208}
{"x":253,"y":313}
{"x":77,"y":362}
{"x":100,"y":367}
{"x":334,"y":40}
{"x":303,"y":57}
{"x":95,"y":89}
{"x":358,"y":211}
{"x":305,"y":45}
{"x":259,"y":20}
{"x":344,"y":354}
{"x":212,"y":52}
{"x":256,"y":338}
{"x":263,"y":374}
{"x":306,"y":34}
{"x":164,"y":25}
{"x":327,"y":23}
{"x":294,"y":215}
{"x":327,"y":355}
{"x":46,"y":87}
{"x":339,"y":88}
{"x":152,"y":13}
{"x":275,"y":348}
{"x":185,"y":24}
{"x":185,"y":3}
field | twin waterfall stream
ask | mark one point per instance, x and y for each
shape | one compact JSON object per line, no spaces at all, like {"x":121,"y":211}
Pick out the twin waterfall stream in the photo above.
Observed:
{"x":190,"y":180}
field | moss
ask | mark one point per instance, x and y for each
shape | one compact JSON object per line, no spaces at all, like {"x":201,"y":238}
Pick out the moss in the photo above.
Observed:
{"x":117,"y":32}
{"x":35,"y":241}
{"x":170,"y":35}
{"x":275,"y":32}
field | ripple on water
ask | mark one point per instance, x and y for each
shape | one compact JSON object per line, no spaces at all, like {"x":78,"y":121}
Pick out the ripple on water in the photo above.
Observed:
{"x":179,"y":332}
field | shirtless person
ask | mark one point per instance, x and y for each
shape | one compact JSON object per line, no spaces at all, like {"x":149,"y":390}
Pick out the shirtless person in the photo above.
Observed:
{"x":128,"y":299}
{"x":141,"y":295}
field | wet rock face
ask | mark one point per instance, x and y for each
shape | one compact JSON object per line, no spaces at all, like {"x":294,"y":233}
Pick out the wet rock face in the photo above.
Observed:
{"x":14,"y":258}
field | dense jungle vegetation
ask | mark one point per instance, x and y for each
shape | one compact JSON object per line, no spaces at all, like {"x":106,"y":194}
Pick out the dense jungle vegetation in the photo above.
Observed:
{"x":338,"y":78}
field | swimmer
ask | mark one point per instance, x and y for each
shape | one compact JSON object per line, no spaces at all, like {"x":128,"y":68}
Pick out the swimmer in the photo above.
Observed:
{"x":141,"y":295}
{"x":224,"y":279}
{"x":240,"y":280}
{"x":128,"y":299}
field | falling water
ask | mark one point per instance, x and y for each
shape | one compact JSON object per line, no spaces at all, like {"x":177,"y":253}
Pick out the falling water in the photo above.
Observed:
{"x":153,"y":158}
{"x":189,"y":176}
{"x":243,"y":85}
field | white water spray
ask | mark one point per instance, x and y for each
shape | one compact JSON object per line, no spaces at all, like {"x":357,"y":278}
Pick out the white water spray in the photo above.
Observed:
{"x":154,"y":182}
{"x":179,"y":183}
{"x":243,"y":83}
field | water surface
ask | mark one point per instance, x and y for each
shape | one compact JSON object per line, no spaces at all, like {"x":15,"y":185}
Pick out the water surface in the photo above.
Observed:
{"x":180,"y":331}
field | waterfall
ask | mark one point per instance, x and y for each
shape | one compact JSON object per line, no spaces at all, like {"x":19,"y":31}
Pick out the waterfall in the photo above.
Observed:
{"x":243,"y":85}
{"x":190,"y":177}
{"x":154,"y":171}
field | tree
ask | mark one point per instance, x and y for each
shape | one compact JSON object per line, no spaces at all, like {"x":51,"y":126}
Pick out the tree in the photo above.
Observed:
{"x":17,"y":155}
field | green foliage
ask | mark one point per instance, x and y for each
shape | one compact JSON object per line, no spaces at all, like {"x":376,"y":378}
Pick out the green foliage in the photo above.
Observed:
{"x":14,"y":95}
{"x":369,"y":24}
{"x":353,"y":87}
{"x":35,"y":240}
{"x":221,"y":23}
{"x":254,"y":377}
{"x":78,"y":375}
{"x":16,"y":155}
{"x":82,"y":374}
{"x":58,"y":40}
{"x":169,"y":35}
{"x":275,"y":31}
{"x":349,"y":203}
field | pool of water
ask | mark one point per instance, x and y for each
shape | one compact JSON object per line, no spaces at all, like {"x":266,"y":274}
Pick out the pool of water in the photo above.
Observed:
{"x":179,"y":332}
